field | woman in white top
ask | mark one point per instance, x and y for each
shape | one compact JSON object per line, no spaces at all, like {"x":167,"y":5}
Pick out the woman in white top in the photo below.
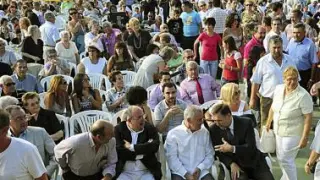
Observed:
{"x":93,"y":63}
{"x":291,"y":114}
{"x":93,"y":35}
{"x":151,"y":66}
{"x":67,"y":49}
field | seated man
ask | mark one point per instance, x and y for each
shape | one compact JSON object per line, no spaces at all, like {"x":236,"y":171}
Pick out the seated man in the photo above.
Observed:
{"x":8,"y":88}
{"x":19,"y":158}
{"x":37,"y":136}
{"x":198,"y":89}
{"x":41,"y":117}
{"x":169,"y":112}
{"x":89,"y":155}
{"x":234,"y":141}
{"x":137,"y":143}
{"x":156,"y":94}
{"x":24,"y":80}
{"x":181,"y":71}
{"x":188,"y":148}
{"x":6,"y":101}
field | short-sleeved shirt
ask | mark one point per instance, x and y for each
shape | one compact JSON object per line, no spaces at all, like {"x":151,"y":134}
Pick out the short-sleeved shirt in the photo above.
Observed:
{"x":29,"y":84}
{"x":231,"y":61}
{"x":174,"y":62}
{"x":67,"y":54}
{"x":191,"y":22}
{"x":49,"y":34}
{"x":30,"y":47}
{"x":113,"y":95}
{"x":209,"y":46}
{"x":161,"y":110}
{"x":140,"y":43}
{"x":8,"y":58}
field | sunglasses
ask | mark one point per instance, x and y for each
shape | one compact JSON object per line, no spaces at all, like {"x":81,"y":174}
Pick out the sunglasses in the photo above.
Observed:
{"x":10,"y":84}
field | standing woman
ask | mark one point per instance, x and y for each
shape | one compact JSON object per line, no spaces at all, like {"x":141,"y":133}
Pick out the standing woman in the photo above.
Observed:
{"x":234,"y":29}
{"x":32,"y":46}
{"x":231,"y":66}
{"x":291,"y":114}
{"x":77,"y":27}
{"x":57,"y":98}
{"x":209,"y":42}
{"x":67,"y":49}
{"x":121,"y":60}
{"x":138,"y":40}
{"x":85,"y":98}
{"x":24,"y":24}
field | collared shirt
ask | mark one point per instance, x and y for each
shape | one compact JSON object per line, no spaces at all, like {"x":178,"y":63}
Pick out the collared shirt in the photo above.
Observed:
{"x":9,"y":58}
{"x":79,"y":154}
{"x":113,"y":95}
{"x":304,"y":53}
{"x":309,"y":31}
{"x":29,"y":84}
{"x":268,"y":73}
{"x":270,"y":34}
{"x":220,"y":16}
{"x":313,"y":9}
{"x":156,"y":96}
{"x":88,"y":38}
{"x":210,"y":89}
{"x":49,"y":34}
{"x":162,"y":109}
{"x":289,"y":110}
{"x":253,"y":42}
{"x":182,"y":69}
{"x":186,"y":150}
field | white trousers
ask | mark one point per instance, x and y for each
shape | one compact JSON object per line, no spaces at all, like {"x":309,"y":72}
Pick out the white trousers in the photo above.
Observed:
{"x":287,"y":150}
{"x":136,"y":175}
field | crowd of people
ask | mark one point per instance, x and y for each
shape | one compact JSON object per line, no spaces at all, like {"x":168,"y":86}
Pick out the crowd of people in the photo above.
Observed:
{"x":188,"y":60}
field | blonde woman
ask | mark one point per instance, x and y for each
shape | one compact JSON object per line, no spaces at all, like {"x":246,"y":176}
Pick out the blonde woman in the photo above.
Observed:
{"x":291,"y":114}
{"x":32,"y":46}
{"x":230,"y":94}
{"x":56,"y":98}
{"x":24,"y":23}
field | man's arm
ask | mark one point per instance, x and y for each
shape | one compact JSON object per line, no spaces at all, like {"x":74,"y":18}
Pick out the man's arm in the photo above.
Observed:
{"x":49,"y":147}
{"x":61,"y":152}
{"x":152,"y":145}
{"x":215,"y":87}
{"x":209,"y":153}
{"x":123,"y":153}
{"x":184,"y":94}
{"x":253,"y":96}
{"x":56,"y":126}
{"x":110,"y":167}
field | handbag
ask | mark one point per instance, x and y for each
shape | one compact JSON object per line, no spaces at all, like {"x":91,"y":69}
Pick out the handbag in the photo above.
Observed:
{"x":268,"y":141}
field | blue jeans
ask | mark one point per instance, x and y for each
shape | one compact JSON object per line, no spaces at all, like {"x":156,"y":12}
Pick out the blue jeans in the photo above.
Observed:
{"x":210,"y":67}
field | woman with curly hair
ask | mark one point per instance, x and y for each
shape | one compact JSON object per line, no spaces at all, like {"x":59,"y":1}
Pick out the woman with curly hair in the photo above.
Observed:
{"x":234,"y":29}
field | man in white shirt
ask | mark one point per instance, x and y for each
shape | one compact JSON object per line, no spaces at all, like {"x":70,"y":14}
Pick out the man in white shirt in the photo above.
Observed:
{"x":267,"y":75}
{"x":276,"y":26}
{"x":188,"y":148}
{"x":49,"y":32}
{"x":219,"y":15}
{"x":19,"y":158}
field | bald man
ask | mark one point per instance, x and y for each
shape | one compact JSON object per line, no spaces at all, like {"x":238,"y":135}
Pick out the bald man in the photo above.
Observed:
{"x":89,"y":155}
{"x":137,"y":143}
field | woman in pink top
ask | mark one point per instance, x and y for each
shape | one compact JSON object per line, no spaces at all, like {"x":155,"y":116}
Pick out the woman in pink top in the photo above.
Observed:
{"x":209,"y":43}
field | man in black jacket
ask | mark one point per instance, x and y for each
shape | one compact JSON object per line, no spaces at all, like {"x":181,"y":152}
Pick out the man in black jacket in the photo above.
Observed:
{"x":137,"y":142}
{"x":234,"y":141}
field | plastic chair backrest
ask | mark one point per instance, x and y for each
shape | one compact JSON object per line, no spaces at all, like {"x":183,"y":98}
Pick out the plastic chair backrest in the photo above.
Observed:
{"x":96,"y":80}
{"x":128,"y":77}
{"x":45,"y":82}
{"x":65,"y":121}
{"x":115,"y":117}
{"x":41,"y":95}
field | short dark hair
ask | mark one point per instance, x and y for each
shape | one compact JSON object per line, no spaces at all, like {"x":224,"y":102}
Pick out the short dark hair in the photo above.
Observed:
{"x":164,"y":73}
{"x":216,"y":3}
{"x":276,"y":5}
{"x":150,"y":48}
{"x":267,"y":20}
{"x":277,"y":19}
{"x":136,"y":95}
{"x":299,"y":26}
{"x":298,"y":12}
{"x":221,"y":108}
{"x":210,"y":21}
{"x":113,"y":76}
{"x":168,"y":85}
{"x":4,"y":118}
{"x":188,"y":4}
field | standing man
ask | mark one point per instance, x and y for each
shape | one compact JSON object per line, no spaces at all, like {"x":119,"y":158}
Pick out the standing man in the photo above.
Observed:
{"x":188,"y":148}
{"x":234,"y":142}
{"x":191,"y":25}
{"x":276,"y":26}
{"x":90,"y":155}
{"x":267,"y":75}
{"x":304,"y":52}
{"x":169,"y":112}
{"x":219,"y":15}
{"x":19,"y":158}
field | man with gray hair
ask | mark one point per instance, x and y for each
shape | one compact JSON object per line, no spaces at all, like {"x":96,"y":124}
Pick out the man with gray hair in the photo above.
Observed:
{"x":6,"y":101}
{"x":19,"y":158}
{"x":188,"y":148}
{"x":37,"y":136}
{"x":8,"y":87}
{"x":198,"y":88}
{"x":49,"y":32}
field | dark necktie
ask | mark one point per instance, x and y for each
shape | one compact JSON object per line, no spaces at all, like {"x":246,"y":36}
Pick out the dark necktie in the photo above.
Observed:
{"x":199,"y":92}
{"x":228,"y":134}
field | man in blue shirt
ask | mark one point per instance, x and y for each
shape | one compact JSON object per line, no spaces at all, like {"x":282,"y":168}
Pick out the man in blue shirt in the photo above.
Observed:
{"x":304,"y":53}
{"x":191,"y":25}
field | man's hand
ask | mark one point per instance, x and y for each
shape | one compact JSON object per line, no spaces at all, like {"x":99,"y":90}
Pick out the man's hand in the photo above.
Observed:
{"x":268,"y":126}
{"x":127,"y":144}
{"x":189,"y":176}
{"x":196,"y":174}
{"x":107,"y":177}
{"x":252,"y":104}
{"x":225,"y":147}
{"x":307,"y":168}
{"x":314,"y":89}
{"x":235,"y":171}
{"x":173,"y":110}
{"x":310,"y":83}
{"x":303,"y":142}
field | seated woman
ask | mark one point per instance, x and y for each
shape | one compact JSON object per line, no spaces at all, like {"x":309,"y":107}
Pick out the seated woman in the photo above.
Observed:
{"x":41,"y":117}
{"x":55,"y":65}
{"x":94,"y":63}
{"x":84,"y":97}
{"x":176,"y":60}
{"x":121,"y":60}
{"x":156,"y":26}
{"x":32,"y":46}
{"x":115,"y":99}
{"x":67,"y":49}
{"x":56,"y":98}
{"x":230,"y":94}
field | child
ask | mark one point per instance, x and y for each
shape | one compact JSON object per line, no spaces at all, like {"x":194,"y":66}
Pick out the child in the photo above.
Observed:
{"x":175,"y":25}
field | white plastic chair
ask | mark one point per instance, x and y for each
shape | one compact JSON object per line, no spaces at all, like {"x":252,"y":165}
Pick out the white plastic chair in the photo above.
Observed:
{"x":82,"y":55}
{"x":45,"y":82}
{"x":103,"y":95}
{"x":34,"y":69}
{"x":65,"y":121}
{"x":96,"y":80}
{"x":41,"y":95}
{"x":150,"y":88}
{"x":128,"y":77}
{"x":86,"y":118}
{"x":208,"y":104}
{"x":114,"y":120}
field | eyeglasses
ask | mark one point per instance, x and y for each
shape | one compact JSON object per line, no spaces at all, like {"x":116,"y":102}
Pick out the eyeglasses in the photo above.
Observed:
{"x":10,"y":84}
{"x":249,"y":4}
